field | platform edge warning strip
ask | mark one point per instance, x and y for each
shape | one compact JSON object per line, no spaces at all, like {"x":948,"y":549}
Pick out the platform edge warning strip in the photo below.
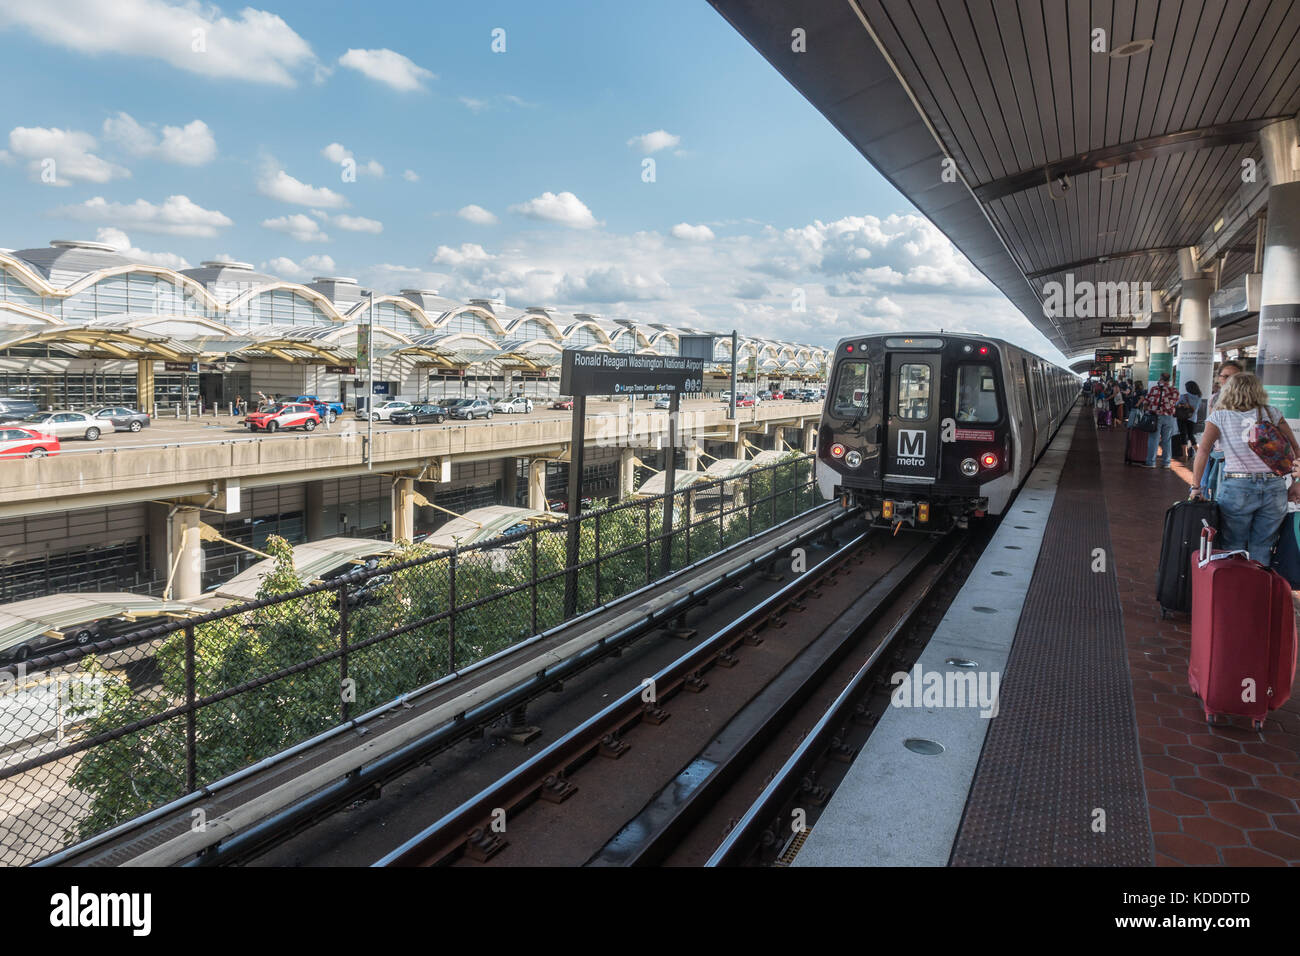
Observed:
{"x":1059,"y":781}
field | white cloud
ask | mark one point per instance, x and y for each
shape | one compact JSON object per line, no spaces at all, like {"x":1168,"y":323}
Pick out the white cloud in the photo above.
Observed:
{"x":653,"y":142}
{"x":303,"y":228}
{"x":358,"y":224}
{"x":565,"y":209}
{"x":258,"y":46}
{"x":469,"y":252}
{"x":338,"y":153}
{"x":61,"y":157}
{"x":410,"y":175}
{"x":176,"y":216}
{"x":387,"y":67}
{"x":188,"y":145}
{"x":278,"y":184}
{"x":477,"y":215}
{"x":684,"y":230}
{"x":477,"y":104}
{"x":122,"y":243}
{"x":303,"y":271}
{"x":474,"y":105}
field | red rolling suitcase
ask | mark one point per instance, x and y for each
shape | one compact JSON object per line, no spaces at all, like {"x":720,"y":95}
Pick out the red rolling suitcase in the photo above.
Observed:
{"x":1243,"y":635}
{"x":1135,"y":447}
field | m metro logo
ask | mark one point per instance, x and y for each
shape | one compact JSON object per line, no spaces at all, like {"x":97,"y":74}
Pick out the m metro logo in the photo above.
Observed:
{"x":911,"y":447}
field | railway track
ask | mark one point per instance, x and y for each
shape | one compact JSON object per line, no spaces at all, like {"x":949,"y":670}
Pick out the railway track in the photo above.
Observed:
{"x":631,"y":784}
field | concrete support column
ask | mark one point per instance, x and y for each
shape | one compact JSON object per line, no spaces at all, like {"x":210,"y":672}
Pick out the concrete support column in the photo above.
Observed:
{"x":1195,"y":343}
{"x":1138,"y":370}
{"x":314,"y":509}
{"x":809,"y":437}
{"x":510,"y":481}
{"x":186,"y":554}
{"x":1161,"y":359}
{"x":692,"y":457}
{"x":1278,"y":364}
{"x":144,"y":385}
{"x":626,"y":473}
{"x":160,"y":548}
{"x":403,"y":509}
{"x":537,"y":484}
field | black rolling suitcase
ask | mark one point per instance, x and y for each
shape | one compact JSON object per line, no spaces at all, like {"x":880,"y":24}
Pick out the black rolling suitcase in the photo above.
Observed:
{"x":1181,"y":539}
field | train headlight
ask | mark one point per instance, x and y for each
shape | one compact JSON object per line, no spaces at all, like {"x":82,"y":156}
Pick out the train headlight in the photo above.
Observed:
{"x":853,"y":459}
{"x":970,"y":467}
{"x":837,"y":450}
{"x":989,"y":460}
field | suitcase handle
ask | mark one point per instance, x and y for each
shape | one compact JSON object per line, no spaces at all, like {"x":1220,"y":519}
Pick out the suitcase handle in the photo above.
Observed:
{"x":1220,"y":555}
{"x":1207,"y":538}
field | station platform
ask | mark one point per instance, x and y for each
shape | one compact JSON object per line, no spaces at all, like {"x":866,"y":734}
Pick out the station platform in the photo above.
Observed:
{"x":1098,"y":753}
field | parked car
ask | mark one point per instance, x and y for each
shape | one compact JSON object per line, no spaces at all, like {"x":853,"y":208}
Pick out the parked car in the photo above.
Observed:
{"x":75,"y":636}
{"x":419,"y":415}
{"x":746,"y":401}
{"x":471,"y":408}
{"x":328,"y":411}
{"x":562,"y":504}
{"x":663,"y":401}
{"x":514,"y":406}
{"x":124,"y":418}
{"x":726,"y":397}
{"x":68,"y":425}
{"x":16,"y":409}
{"x":565,"y":404}
{"x":384,"y":412}
{"x":26,"y":443}
{"x":277,"y":415}
{"x":777,"y":395}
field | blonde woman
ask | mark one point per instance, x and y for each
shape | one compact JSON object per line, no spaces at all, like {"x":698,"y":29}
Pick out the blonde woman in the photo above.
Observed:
{"x":1252,"y":500}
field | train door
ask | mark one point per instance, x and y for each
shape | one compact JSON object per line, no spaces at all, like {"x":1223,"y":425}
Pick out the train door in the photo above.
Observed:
{"x":910,"y":449}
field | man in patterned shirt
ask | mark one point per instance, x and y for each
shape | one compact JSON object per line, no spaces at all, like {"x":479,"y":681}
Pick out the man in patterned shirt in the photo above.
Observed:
{"x":1160,"y":401}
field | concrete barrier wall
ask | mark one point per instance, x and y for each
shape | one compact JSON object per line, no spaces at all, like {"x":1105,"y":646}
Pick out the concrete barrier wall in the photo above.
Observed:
{"x":77,"y":479}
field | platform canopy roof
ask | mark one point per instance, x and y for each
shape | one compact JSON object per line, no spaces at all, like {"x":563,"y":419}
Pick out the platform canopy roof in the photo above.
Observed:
{"x":1015,"y":99}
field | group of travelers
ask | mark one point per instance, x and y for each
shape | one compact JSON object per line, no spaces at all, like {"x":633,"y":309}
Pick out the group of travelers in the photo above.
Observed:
{"x":1244,"y":453}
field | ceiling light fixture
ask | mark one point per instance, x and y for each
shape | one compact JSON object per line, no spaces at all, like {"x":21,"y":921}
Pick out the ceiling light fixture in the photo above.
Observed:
{"x":1131,"y":48}
{"x":1110,"y":175}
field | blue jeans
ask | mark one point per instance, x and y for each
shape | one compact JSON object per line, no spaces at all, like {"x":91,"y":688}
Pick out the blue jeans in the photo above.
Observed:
{"x":1250,"y":514}
{"x":1166,"y":425}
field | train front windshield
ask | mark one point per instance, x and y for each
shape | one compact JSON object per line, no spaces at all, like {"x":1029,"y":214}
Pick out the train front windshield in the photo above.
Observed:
{"x":852,"y":395}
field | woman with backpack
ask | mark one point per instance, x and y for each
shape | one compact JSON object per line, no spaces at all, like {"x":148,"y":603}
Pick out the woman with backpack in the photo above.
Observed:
{"x":1259,"y":451}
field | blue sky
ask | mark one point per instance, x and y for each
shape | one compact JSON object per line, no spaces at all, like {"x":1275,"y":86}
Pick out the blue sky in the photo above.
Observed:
{"x":238,"y":149}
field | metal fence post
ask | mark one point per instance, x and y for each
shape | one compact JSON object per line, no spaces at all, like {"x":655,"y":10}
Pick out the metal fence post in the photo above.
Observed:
{"x":686,"y":515}
{"x":343,"y":649}
{"x":597,"y":559}
{"x":533,"y":589}
{"x":191,"y":716}
{"x":648,"y":579}
{"x":749,"y":504}
{"x":451,"y":607}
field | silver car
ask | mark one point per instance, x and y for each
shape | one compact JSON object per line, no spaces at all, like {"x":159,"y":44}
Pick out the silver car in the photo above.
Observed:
{"x":69,"y":424}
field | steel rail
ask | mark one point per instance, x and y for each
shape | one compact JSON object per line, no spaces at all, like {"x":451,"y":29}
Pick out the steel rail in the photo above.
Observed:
{"x":738,"y":842}
{"x":448,"y":836}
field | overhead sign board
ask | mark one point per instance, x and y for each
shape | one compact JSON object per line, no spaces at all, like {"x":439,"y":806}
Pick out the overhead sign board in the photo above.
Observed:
{"x":340,"y":370}
{"x":181,"y":366}
{"x":1143,"y":331}
{"x":1113,"y":355}
{"x":622,"y":373}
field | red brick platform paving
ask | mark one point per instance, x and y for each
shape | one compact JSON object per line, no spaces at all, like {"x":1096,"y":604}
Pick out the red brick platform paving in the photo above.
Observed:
{"x":1222,"y":795}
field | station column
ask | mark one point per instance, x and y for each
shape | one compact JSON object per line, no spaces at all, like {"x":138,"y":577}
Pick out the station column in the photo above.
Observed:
{"x":626,"y":473}
{"x":809,"y":437}
{"x":537,"y":484}
{"x":1159,"y":358}
{"x":186,"y":554}
{"x":1138,"y":370}
{"x":1195,"y":357}
{"x":314,"y":506}
{"x":1279,"y":315}
{"x":403,"y":509}
{"x":144,"y":385}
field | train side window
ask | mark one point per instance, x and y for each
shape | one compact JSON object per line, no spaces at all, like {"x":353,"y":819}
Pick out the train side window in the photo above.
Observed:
{"x":914,"y":392}
{"x":977,"y":394}
{"x":851,"y":395}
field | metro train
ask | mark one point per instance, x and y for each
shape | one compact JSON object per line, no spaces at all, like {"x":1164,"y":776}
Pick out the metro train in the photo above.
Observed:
{"x":932,"y":429}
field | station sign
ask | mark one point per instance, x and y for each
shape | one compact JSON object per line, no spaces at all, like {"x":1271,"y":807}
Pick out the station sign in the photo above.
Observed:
{"x":192,"y":367}
{"x":1141,"y":331}
{"x":1110,"y":356}
{"x":340,"y":370}
{"x":623,"y":373}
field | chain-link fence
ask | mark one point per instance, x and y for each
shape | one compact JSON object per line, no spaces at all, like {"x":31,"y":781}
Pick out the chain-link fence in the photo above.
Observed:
{"x":97,"y":735}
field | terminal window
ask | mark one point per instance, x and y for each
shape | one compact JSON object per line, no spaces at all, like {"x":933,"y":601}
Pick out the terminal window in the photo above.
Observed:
{"x":851,"y":394}
{"x":977,"y":395}
{"x":914,"y":392}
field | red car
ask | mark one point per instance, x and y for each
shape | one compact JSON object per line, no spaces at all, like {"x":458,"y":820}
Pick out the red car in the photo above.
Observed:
{"x":565,"y":404}
{"x":279,"y":415}
{"x":745,"y":401}
{"x":26,"y":443}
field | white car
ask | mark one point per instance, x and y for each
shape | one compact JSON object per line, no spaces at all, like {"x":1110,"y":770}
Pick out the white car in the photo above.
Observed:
{"x":513,"y":406}
{"x":382,"y":413}
{"x":67,"y":425}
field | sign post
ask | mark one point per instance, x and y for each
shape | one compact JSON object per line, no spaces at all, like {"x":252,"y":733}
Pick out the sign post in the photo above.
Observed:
{"x":585,"y":373}
{"x":365,"y":344}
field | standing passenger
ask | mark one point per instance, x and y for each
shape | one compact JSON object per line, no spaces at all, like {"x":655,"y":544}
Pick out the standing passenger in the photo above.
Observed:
{"x":1160,"y":402}
{"x":1252,"y":499}
{"x":1187,"y":410}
